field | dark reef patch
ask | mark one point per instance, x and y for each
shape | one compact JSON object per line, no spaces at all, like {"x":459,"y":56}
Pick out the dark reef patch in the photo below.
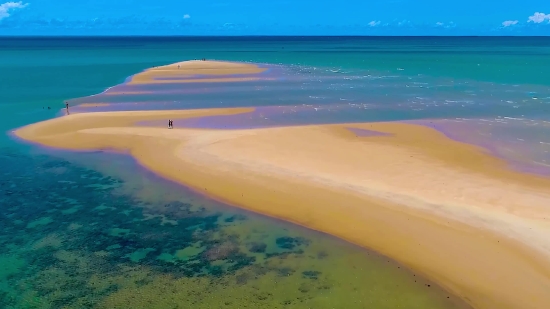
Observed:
{"x":311,"y":274}
{"x":69,"y":225}
{"x":75,"y":238}
{"x":291,"y":242}
{"x":257,"y":247}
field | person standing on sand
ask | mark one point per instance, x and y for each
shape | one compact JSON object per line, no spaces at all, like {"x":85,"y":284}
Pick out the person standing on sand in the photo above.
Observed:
{"x":67,"y":106}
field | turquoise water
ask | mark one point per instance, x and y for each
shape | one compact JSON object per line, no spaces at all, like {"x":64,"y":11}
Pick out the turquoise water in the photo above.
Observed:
{"x":42,"y":72}
{"x":94,"y":231}
{"x":486,"y":91}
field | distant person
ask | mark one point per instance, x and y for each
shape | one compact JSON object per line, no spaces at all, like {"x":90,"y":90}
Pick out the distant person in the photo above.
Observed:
{"x":67,"y":107}
{"x":178,"y":66}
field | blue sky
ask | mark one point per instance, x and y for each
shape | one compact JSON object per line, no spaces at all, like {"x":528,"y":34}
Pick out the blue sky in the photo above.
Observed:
{"x":256,"y":17}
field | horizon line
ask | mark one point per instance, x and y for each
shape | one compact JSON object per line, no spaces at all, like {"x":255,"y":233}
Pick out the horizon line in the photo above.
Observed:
{"x":260,"y":36}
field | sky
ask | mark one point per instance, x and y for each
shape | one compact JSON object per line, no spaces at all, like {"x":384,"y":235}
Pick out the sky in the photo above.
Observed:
{"x":282,"y":17}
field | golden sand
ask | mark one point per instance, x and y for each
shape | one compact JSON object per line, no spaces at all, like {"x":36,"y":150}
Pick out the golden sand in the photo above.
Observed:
{"x":441,"y":207}
{"x":182,"y":72}
{"x":93,"y":104}
{"x":126,"y":92}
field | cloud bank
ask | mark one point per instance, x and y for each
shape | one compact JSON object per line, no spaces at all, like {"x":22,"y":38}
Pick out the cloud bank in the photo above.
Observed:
{"x":538,"y":18}
{"x":538,"y":21}
{"x":6,"y":8}
{"x":25,"y":24}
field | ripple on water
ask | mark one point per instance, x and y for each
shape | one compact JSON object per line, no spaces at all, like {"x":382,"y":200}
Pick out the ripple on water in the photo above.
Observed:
{"x":298,"y":95}
{"x":292,"y":85}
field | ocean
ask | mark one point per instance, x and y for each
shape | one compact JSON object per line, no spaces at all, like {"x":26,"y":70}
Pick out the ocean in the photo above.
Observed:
{"x":94,"y":230}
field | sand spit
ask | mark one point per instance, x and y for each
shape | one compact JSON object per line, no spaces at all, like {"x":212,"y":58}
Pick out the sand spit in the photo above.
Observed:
{"x":183,"y":72}
{"x":443,"y":208}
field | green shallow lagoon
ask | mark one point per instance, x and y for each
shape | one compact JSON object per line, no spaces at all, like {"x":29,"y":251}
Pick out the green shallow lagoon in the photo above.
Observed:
{"x":93,"y":230}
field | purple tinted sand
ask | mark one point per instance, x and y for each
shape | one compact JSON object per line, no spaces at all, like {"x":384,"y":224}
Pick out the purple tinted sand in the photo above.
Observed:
{"x":257,"y":118}
{"x":251,"y":120}
{"x":128,"y":93}
{"x":366,"y":133}
{"x":260,"y":117}
{"x":149,"y":89}
{"x":267,"y":116}
{"x":132,"y":106}
{"x":527,"y":154}
{"x":332,"y":96}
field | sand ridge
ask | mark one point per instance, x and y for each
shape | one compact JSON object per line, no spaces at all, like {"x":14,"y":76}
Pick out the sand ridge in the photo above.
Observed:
{"x":186,"y":72}
{"x":445,"y":209}
{"x":441,"y":207}
{"x":93,"y":105}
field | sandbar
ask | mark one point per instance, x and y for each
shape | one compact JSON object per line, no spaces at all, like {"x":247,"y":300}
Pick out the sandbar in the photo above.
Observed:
{"x":93,"y":105}
{"x":183,"y":72}
{"x":445,"y":209}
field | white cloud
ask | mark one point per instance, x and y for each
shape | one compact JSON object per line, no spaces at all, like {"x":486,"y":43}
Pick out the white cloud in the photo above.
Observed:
{"x":7,"y":7}
{"x":509,"y":23}
{"x":186,"y":16}
{"x":374,"y":23}
{"x":538,"y":18}
{"x":439,"y":23}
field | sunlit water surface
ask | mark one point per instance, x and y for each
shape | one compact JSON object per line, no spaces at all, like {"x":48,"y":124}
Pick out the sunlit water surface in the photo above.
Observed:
{"x":510,"y":121}
{"x":94,"y":230}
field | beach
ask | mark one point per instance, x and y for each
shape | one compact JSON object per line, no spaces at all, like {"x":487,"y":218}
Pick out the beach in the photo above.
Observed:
{"x":190,"y":72}
{"x":446,"y":209}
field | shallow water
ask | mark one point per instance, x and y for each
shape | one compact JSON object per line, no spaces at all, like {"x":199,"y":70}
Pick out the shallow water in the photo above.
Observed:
{"x":73,"y":237}
{"x":92,"y":230}
{"x":512,"y":121}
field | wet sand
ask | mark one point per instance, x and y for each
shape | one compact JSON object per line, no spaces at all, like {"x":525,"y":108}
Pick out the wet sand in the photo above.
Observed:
{"x":93,"y":105}
{"x":443,"y":208}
